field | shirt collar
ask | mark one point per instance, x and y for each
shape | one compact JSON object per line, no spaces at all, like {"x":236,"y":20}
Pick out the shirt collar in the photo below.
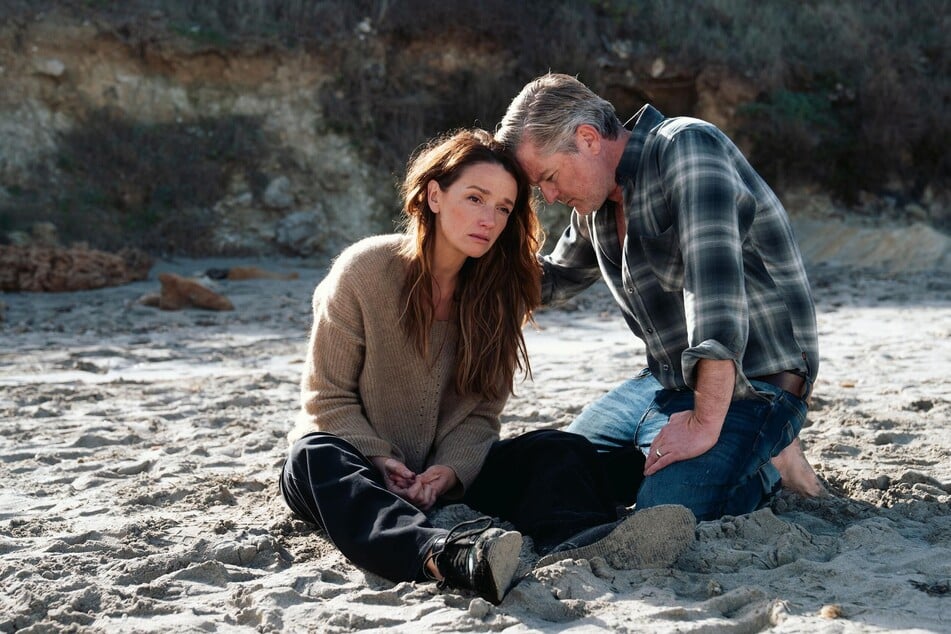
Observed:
{"x":640,"y":126}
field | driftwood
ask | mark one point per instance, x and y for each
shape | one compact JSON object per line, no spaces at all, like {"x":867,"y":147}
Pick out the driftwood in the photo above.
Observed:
{"x":53,"y":269}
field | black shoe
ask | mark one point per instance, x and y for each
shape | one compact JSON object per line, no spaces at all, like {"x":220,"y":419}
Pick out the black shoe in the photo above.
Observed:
{"x":474,"y":556}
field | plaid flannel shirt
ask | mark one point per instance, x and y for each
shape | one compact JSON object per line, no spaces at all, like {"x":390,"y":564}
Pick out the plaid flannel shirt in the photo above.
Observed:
{"x":709,"y":269}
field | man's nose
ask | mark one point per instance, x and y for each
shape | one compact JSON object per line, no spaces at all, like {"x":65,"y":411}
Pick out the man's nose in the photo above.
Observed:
{"x":549,"y":192}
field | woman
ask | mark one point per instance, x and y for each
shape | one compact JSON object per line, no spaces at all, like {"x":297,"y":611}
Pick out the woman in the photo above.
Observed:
{"x":415,"y":343}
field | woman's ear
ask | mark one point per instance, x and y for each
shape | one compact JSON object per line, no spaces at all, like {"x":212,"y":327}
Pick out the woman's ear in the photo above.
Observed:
{"x":432,"y":195}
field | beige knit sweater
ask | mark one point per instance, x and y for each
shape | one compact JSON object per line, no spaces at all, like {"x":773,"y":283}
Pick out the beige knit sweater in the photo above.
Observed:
{"x":365,"y":382}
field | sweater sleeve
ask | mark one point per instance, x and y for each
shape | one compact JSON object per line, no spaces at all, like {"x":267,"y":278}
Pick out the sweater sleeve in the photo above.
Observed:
{"x":464,"y":447}
{"x":330,"y":392}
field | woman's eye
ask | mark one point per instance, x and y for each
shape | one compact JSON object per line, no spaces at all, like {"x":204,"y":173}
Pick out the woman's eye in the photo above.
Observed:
{"x":505,"y":211}
{"x":475,"y":199}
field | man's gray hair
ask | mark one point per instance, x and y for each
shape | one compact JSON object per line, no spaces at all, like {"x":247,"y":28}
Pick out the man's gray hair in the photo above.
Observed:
{"x":548,"y":111}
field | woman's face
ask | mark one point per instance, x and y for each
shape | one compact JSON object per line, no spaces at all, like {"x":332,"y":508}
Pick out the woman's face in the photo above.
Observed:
{"x":472,"y":212}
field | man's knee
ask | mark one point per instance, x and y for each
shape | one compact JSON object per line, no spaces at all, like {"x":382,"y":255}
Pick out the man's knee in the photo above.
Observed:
{"x":700,"y":487}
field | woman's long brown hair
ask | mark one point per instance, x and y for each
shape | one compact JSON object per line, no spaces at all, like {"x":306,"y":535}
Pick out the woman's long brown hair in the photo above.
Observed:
{"x":497,"y":293}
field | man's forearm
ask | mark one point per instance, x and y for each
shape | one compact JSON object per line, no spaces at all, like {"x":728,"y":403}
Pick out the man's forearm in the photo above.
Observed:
{"x":714,"y":390}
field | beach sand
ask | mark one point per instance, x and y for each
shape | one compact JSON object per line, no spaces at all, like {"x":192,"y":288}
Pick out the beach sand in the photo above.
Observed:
{"x":140,"y":451}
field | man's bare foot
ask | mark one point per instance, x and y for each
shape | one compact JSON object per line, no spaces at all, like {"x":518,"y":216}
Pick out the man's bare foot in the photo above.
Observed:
{"x":796,"y":472}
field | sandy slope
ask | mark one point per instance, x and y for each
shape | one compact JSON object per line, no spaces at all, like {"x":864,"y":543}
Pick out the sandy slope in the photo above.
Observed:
{"x":139,"y":451}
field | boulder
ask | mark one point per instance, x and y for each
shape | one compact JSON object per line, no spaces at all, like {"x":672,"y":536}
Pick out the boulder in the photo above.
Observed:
{"x":38,"y":268}
{"x":181,"y":292}
{"x":278,"y":193}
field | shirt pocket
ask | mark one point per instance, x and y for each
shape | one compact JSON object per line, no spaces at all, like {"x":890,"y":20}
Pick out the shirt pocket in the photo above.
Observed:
{"x":663,"y":256}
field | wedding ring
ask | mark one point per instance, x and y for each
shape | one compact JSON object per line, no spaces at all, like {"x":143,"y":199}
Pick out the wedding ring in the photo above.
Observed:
{"x":659,"y":453}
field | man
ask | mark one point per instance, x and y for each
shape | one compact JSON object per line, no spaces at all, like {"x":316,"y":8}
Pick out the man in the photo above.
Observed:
{"x":698,"y":252}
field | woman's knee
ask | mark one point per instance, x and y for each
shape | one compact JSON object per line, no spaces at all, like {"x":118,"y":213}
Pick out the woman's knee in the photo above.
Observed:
{"x":310,"y":456}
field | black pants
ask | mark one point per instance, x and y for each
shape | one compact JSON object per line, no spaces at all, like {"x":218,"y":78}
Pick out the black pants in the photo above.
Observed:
{"x":549,"y":484}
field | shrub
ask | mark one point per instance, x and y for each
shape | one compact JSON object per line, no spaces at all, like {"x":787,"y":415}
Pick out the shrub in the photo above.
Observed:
{"x":854,"y":93}
{"x":122,"y":182}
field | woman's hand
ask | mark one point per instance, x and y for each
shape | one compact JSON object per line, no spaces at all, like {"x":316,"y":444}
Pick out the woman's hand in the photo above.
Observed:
{"x":431,"y":484}
{"x":422,"y":490}
{"x":397,"y":476}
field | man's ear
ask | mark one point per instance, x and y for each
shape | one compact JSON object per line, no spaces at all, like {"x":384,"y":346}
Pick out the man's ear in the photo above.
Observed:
{"x":432,"y":195}
{"x":588,"y":139}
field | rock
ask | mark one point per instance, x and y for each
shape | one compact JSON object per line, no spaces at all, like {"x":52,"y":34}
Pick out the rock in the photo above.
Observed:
{"x":720,"y":93}
{"x":248,"y":273}
{"x":894,"y":248}
{"x":180,"y":292}
{"x":151,"y":299}
{"x":57,"y":269}
{"x":278,"y":193}
{"x":916,"y":212}
{"x":19,"y":238}
{"x":301,"y":232}
{"x":50,"y":67}
{"x":44,"y":234}
{"x":138,"y":262}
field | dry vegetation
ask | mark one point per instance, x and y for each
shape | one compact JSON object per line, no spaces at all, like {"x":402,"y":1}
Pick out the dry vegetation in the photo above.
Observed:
{"x":853,"y":94}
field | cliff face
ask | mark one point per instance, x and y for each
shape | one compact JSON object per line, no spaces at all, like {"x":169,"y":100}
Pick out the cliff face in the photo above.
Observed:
{"x":59,"y":77}
{"x":161,"y":139}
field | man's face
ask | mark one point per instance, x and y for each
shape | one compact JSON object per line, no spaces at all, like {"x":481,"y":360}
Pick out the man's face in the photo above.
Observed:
{"x":581,"y":179}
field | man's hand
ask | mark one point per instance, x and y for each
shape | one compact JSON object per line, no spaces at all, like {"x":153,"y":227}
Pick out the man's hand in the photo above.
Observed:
{"x":694,"y":432}
{"x":684,"y":437}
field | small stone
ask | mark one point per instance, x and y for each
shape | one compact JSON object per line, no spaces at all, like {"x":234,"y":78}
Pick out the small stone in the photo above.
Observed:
{"x":884,"y":439}
{"x":479,"y":608}
{"x":278,"y":194}
{"x":831,"y":611}
{"x":50,"y":67}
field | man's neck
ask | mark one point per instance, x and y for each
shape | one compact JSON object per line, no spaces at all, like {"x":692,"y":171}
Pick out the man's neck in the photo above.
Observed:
{"x":615,"y":150}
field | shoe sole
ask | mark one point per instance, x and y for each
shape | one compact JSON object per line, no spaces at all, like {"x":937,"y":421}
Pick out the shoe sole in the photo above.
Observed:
{"x":652,"y":538}
{"x":501,"y":555}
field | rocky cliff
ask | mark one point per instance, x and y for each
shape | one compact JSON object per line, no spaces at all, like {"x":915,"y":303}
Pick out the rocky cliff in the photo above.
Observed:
{"x":150,"y":132}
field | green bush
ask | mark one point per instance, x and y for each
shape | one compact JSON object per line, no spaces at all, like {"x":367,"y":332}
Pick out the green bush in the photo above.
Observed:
{"x":854,"y":93}
{"x":150,"y":185}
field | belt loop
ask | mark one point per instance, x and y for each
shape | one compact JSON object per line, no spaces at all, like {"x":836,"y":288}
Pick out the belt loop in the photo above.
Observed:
{"x":807,"y":390}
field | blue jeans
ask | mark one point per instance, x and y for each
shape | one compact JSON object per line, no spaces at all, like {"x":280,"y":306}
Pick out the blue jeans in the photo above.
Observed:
{"x":734,"y":477}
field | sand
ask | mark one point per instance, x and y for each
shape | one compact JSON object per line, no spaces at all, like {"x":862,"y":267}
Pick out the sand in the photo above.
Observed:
{"x":140,"y":450}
